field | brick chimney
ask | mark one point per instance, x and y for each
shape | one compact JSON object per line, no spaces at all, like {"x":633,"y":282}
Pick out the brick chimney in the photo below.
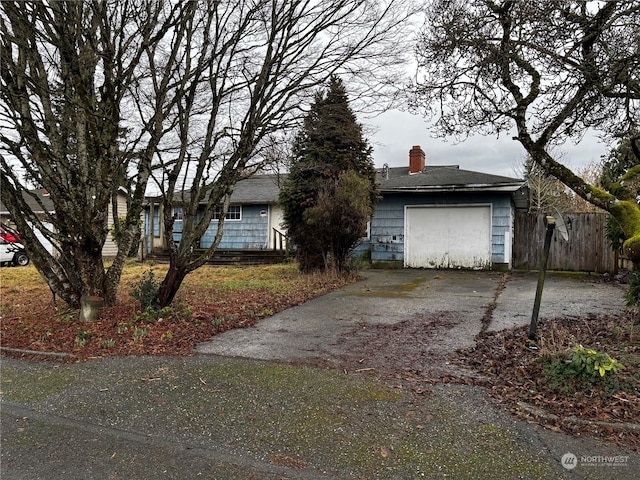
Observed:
{"x":416,"y":160}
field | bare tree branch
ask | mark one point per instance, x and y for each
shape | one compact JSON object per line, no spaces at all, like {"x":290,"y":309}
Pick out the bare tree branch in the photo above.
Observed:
{"x":552,"y":68}
{"x":247,"y":73}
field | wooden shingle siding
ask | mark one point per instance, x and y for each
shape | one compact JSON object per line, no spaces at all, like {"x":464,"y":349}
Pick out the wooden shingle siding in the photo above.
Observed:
{"x":501,"y":222}
{"x":251,"y":232}
{"x":387,"y":230}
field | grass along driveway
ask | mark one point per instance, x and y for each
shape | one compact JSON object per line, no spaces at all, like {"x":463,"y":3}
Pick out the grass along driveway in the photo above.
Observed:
{"x":211,"y":300}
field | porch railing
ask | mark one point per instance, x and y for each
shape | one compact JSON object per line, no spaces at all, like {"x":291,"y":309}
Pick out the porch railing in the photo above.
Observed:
{"x":280,"y":240}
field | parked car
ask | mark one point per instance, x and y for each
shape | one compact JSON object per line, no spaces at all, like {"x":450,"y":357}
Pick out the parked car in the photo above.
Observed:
{"x":9,"y":234}
{"x":13,"y":253}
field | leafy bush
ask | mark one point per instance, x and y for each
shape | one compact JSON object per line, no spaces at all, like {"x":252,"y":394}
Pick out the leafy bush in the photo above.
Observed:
{"x":633,"y":294}
{"x":146,"y":291}
{"x":614,"y":234}
{"x":579,"y":368}
{"x":589,"y":363}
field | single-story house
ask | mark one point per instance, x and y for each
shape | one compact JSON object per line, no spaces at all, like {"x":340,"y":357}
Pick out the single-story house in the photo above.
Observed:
{"x":253,"y":221}
{"x":444,"y":216}
{"x":41,"y":204}
{"x":428,"y":217}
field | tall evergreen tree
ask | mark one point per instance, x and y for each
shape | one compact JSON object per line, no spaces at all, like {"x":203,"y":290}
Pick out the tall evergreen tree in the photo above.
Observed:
{"x":325,"y":209}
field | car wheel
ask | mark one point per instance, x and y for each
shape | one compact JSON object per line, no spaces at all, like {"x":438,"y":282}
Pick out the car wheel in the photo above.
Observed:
{"x":21,"y":259}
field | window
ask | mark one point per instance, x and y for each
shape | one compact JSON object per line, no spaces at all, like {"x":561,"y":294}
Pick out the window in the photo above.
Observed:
{"x":234,"y":213}
{"x":155,"y":221}
{"x":177,"y":214}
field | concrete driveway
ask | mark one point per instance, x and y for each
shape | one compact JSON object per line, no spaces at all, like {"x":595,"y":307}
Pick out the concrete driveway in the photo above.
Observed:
{"x":315,"y":328}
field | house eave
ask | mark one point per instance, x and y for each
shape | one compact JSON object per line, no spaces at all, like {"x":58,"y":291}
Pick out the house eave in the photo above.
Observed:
{"x":453,"y":188}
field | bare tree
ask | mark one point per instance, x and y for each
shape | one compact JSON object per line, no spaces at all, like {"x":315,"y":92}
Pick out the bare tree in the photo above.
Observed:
{"x":67,"y":72}
{"x":591,"y":174}
{"x":551,"y":68}
{"x":546,"y":193}
{"x":246,"y":73}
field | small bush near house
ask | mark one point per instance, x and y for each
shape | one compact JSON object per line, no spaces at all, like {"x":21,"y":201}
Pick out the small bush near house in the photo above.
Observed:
{"x":146,"y":290}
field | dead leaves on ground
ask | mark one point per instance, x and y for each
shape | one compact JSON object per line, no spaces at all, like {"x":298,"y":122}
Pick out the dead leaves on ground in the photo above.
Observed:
{"x":203,"y":308}
{"x":515,"y":376}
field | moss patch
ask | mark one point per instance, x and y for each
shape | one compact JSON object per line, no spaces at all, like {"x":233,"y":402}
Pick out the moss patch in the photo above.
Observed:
{"x":27,"y":387}
{"x":347,"y":425}
{"x":398,"y":291}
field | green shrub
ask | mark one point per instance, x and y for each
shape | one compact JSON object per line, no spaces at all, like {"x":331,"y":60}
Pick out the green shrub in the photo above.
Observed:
{"x":579,"y":368}
{"x":589,"y":363}
{"x":146,"y":290}
{"x":633,"y":294}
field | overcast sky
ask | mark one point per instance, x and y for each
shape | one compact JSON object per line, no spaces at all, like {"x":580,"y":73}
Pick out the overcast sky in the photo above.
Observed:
{"x":396,"y":132}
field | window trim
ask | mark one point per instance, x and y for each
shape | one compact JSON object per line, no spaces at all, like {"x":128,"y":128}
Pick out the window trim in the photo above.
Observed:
{"x":232,"y":212}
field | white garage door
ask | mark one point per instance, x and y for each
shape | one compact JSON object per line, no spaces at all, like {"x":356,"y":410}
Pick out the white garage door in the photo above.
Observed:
{"x":448,"y":237}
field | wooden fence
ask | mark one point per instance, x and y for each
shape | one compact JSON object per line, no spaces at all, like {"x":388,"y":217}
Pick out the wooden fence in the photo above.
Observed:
{"x":586,"y":251}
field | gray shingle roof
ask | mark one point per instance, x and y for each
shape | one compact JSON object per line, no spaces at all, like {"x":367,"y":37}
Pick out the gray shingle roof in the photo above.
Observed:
{"x":442,"y":179}
{"x":265,"y":189}
{"x":32,"y":202}
{"x":258,"y":189}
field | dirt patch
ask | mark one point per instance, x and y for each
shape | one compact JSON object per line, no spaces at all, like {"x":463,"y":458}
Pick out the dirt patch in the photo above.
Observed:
{"x":417,"y":352}
{"x":412,"y":353}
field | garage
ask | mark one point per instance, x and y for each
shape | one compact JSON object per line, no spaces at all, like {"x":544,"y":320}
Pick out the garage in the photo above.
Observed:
{"x":448,"y":236}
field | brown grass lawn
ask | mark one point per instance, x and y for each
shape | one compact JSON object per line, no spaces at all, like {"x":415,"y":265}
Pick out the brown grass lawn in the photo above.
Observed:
{"x":211,"y":300}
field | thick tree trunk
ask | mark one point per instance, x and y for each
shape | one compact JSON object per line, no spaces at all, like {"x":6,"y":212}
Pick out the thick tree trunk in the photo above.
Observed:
{"x":171,"y":284}
{"x":627,"y":213}
{"x":619,"y":201}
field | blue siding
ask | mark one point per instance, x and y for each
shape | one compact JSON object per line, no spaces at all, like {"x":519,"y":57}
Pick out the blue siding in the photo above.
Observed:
{"x":177,"y":231}
{"x":387,"y":224}
{"x":147,"y":227}
{"x":250,"y":232}
{"x":501,"y":221}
